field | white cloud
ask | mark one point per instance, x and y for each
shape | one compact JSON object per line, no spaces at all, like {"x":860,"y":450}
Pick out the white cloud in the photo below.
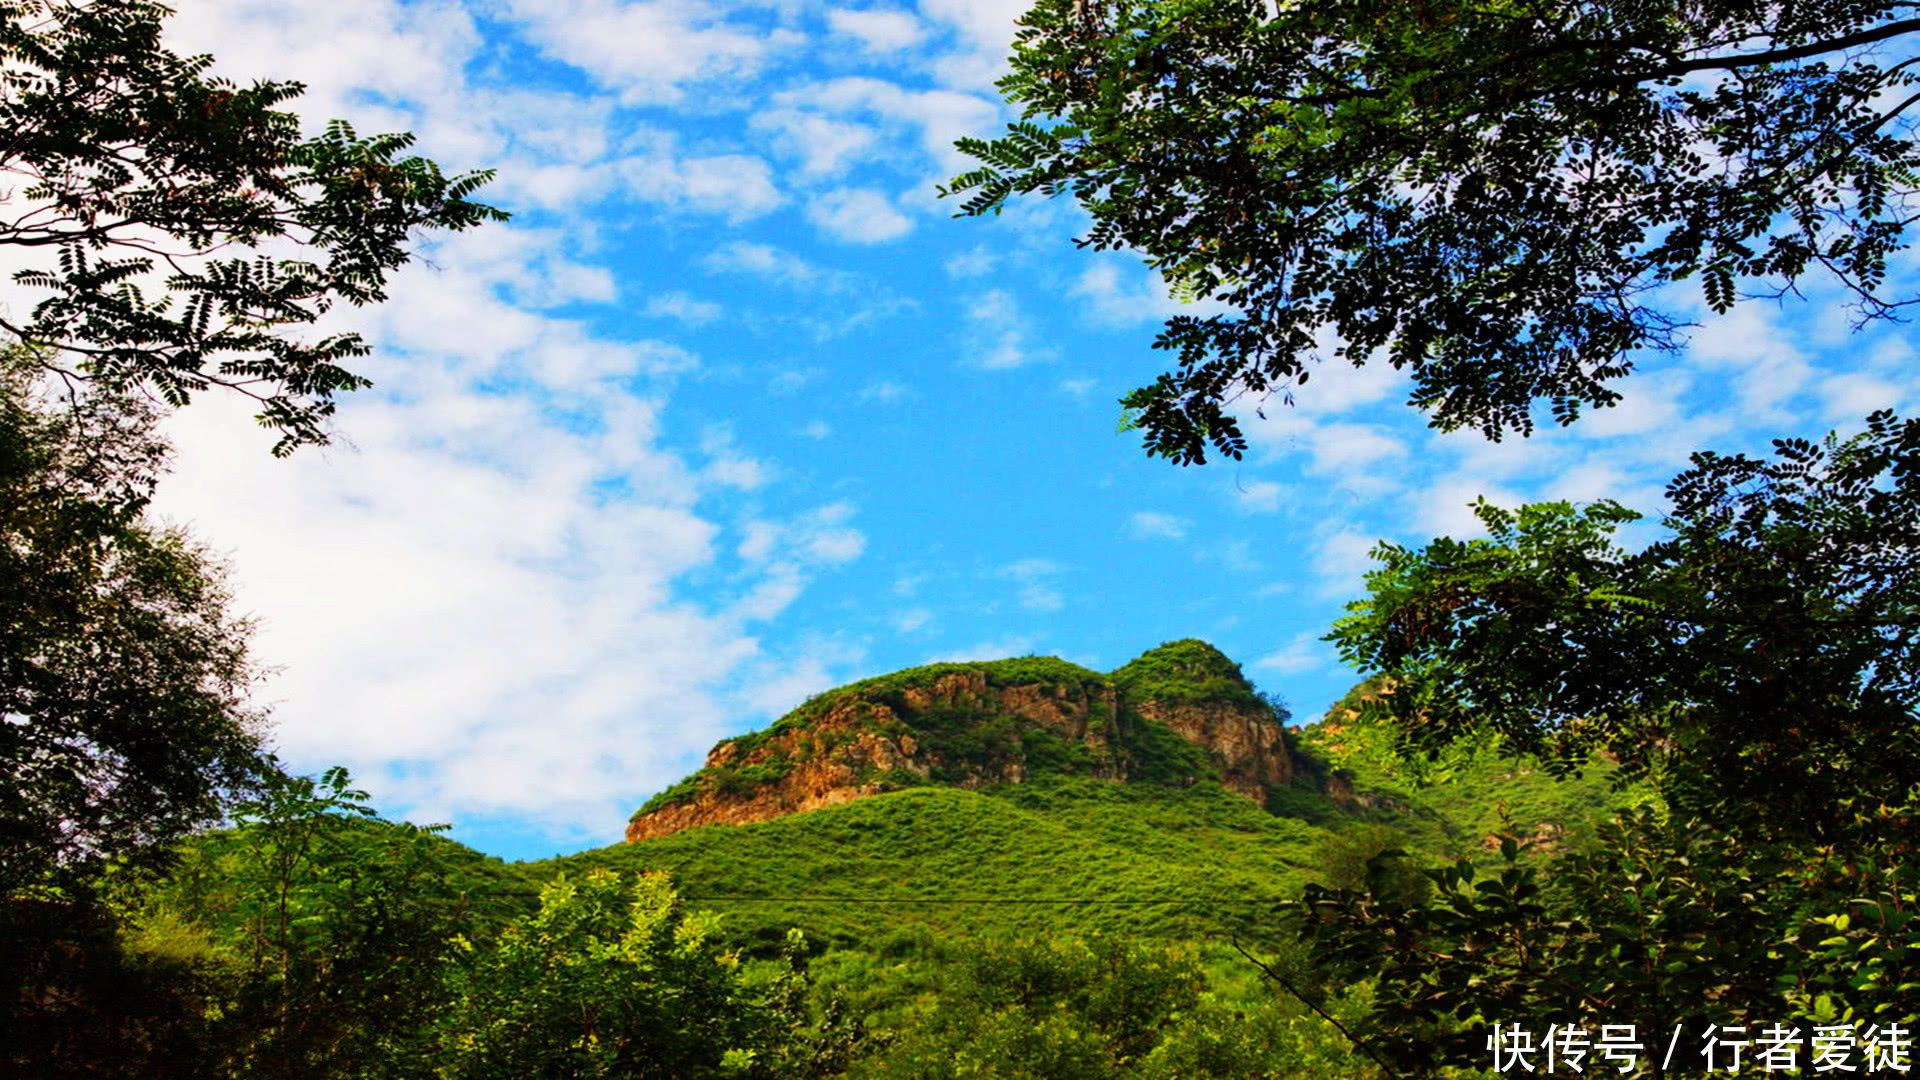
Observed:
{"x":745,"y":474}
{"x":820,"y":537}
{"x":969,"y":264}
{"x":999,"y":648}
{"x":1040,"y":598}
{"x":858,"y":216}
{"x":1147,"y":524}
{"x":1348,"y":448}
{"x":863,"y":301}
{"x":825,"y":146}
{"x":1032,"y":575}
{"x":1260,"y":497}
{"x":816,"y":429}
{"x":1342,"y":561}
{"x":1079,"y":389}
{"x":1119,"y":292}
{"x":783,"y":687}
{"x":998,"y":339}
{"x":684,"y":307}
{"x":339,"y":50}
{"x":1651,"y":402}
{"x":886,"y":392}
{"x":1447,"y":508}
{"x":1765,"y":369}
{"x":533,"y":265}
{"x":937,"y":117}
{"x":879,"y":30}
{"x":1302,"y":653}
{"x":1109,"y":302}
{"x":738,"y":187}
{"x":1849,"y":398}
{"x":1340,"y":387}
{"x":1235,"y":555}
{"x":828,"y":539}
{"x":479,"y":602}
{"x":472,"y":576}
{"x":766,"y":261}
{"x":985,"y":28}
{"x":650,"y":52}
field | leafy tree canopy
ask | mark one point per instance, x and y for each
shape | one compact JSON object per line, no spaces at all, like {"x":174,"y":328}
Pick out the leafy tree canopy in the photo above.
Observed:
{"x":323,"y":934}
{"x":1759,"y":660}
{"x":152,"y":206}
{"x":123,"y":676}
{"x":610,"y":978}
{"x":1484,"y":193}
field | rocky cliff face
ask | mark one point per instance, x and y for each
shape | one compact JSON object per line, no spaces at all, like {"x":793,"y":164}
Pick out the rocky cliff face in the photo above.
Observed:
{"x":1178,"y":715}
{"x":1247,"y":748}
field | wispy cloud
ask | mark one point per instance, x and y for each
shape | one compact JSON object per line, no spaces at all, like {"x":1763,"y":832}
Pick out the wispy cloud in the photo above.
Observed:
{"x":684,"y":307}
{"x":1000,"y":332}
{"x":878,"y":30}
{"x":1302,"y":653}
{"x":1034,"y":576}
{"x":1150,"y":525}
{"x":858,"y":216}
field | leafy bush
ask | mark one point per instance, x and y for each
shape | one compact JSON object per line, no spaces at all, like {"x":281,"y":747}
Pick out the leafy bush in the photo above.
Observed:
{"x":610,"y":978}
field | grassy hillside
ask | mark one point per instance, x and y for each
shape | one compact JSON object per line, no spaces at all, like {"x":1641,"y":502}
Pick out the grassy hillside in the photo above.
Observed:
{"x":1155,"y":859}
{"x":1192,"y":863}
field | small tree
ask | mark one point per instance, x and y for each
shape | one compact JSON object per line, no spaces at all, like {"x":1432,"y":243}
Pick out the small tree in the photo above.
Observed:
{"x":609,"y":979}
{"x":1758,"y":662}
{"x":335,"y":928}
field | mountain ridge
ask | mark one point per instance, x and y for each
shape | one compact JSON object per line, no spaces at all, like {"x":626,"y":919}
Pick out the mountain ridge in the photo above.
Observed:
{"x":1177,"y":715}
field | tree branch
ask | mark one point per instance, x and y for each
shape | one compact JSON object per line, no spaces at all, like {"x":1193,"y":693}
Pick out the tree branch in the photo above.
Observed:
{"x":1776,"y":56}
{"x":1328,"y":1017}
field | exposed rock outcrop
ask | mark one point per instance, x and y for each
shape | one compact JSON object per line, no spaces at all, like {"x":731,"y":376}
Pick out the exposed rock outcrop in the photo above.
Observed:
{"x":1248,"y":749}
{"x":1177,"y":715}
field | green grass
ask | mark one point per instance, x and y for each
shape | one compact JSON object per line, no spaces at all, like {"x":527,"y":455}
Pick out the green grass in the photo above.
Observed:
{"x":1214,"y":852}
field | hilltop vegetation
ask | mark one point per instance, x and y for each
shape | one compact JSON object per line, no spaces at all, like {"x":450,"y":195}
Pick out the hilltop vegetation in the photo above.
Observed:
{"x":1186,"y":672}
{"x":960,"y":724}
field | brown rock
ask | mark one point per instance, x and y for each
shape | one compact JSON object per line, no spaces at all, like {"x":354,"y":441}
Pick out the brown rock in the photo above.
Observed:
{"x":1247,"y":746}
{"x":847,"y":751}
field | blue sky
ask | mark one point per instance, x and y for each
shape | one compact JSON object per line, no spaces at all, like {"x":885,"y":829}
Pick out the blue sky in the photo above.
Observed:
{"x":734,"y":411}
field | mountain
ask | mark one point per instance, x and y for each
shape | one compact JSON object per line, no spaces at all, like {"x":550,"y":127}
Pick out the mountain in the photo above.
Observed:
{"x":1161,"y":800}
{"x":1177,"y":715}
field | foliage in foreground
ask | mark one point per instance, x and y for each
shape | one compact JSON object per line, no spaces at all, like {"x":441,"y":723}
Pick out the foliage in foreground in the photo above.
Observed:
{"x":1488,"y":196}
{"x":154,"y":192}
{"x":1755,"y":667}
{"x":1757,"y":663}
{"x":610,"y":978}
{"x":123,"y":672}
{"x":1105,"y":1009}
